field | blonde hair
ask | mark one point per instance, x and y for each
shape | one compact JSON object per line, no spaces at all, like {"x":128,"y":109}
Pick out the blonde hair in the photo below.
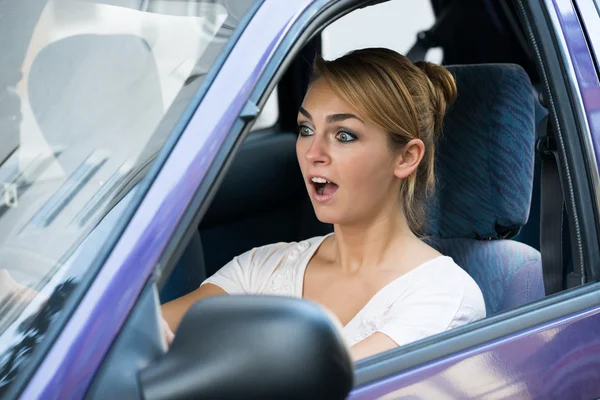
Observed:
{"x":408,"y":100}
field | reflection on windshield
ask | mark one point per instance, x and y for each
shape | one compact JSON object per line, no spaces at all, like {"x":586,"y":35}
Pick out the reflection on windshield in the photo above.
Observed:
{"x":32,"y":332}
{"x":90,"y":93}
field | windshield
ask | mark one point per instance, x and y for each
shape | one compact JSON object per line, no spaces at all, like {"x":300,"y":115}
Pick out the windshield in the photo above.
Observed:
{"x":90,"y":91}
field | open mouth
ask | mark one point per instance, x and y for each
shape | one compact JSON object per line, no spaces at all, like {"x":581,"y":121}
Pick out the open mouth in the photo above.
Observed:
{"x":323,"y":187}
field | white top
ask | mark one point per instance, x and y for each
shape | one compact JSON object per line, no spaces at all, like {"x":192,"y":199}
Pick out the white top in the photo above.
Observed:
{"x":434,"y":297}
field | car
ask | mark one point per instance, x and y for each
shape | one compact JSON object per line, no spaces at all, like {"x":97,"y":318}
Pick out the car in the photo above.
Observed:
{"x":138,"y":157}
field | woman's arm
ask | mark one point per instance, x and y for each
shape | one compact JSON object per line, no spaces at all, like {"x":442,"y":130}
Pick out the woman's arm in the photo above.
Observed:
{"x":233,"y":277}
{"x":174,"y":311}
{"x":374,"y":344}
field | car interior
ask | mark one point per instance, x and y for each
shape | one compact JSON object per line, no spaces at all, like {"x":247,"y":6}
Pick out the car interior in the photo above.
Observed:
{"x":486,"y":210}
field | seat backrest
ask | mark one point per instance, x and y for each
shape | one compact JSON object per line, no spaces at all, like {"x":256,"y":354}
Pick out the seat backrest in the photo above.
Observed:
{"x":187,"y":274}
{"x":484,"y":168}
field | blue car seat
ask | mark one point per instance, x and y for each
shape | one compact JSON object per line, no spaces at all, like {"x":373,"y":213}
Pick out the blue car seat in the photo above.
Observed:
{"x":484,"y":168}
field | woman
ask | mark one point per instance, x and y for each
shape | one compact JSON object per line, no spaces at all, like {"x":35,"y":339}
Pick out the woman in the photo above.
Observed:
{"x":366,"y":143}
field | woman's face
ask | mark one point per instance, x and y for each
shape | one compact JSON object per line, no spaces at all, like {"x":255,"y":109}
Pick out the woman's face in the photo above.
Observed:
{"x":347,"y":164}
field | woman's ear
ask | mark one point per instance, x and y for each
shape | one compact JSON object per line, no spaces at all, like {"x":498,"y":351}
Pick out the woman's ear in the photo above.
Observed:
{"x":408,"y":158}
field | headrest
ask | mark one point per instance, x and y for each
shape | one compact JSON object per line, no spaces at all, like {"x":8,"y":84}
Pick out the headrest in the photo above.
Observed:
{"x":485,"y":157}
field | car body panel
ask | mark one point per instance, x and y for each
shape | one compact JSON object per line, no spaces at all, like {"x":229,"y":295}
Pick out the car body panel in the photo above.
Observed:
{"x":544,"y":362}
{"x":68,"y":368}
{"x":584,"y":59}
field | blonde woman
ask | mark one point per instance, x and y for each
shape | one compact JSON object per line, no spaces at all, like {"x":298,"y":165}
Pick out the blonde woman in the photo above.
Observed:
{"x":367,"y":133}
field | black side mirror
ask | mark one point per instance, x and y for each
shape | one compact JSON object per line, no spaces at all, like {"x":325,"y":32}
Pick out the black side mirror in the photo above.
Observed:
{"x":252,"y":347}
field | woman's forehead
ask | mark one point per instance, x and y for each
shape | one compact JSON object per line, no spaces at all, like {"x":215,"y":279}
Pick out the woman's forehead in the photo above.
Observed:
{"x":321,"y":100}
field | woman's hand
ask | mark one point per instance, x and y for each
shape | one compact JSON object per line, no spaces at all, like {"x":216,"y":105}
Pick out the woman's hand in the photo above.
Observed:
{"x":167,"y":332}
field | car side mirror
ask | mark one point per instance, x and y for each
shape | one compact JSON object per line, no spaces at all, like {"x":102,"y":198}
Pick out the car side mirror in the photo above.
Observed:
{"x":263,"y":347}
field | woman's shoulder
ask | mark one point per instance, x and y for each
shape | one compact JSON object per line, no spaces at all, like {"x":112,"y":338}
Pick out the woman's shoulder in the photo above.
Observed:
{"x":275,"y":252}
{"x":432,"y":298}
{"x":442,"y":275}
{"x":256,"y":269}
{"x":443,"y":269}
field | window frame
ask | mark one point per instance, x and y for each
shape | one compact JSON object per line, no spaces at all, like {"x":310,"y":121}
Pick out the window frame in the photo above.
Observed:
{"x":552,"y":309}
{"x":521,"y":319}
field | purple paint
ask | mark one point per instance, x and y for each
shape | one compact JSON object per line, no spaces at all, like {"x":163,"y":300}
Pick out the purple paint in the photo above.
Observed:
{"x":583,"y":59}
{"x":531,"y":364}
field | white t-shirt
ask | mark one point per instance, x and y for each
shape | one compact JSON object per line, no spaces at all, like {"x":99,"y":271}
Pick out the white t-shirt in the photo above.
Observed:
{"x":434,"y":297}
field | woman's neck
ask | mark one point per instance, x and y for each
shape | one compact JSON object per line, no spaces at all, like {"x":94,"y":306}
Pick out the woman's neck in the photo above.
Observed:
{"x":360,"y":246}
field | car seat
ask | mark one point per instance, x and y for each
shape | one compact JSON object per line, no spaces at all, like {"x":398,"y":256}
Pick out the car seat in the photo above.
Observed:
{"x":484,"y":169}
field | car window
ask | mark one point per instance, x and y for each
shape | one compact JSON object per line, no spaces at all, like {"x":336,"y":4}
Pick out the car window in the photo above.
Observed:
{"x":393,"y":25}
{"x":89,"y":94}
{"x":269,"y":115}
{"x":229,"y":230}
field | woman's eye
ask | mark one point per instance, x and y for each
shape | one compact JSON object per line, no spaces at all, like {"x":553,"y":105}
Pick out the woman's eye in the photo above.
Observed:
{"x":304,"y":131}
{"x":345,"y":137}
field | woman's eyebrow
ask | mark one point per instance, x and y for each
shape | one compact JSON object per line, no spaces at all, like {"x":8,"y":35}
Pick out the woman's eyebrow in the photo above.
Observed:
{"x":305,"y":113}
{"x":333,"y":117}
{"x":340,"y":117}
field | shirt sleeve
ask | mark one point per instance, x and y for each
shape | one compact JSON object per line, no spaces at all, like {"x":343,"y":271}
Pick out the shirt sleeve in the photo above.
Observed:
{"x":233,"y":277}
{"x":431,"y":308}
{"x":247,"y":273}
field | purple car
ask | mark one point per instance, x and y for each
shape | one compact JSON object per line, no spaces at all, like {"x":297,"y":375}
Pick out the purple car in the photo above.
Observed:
{"x":137,"y":158}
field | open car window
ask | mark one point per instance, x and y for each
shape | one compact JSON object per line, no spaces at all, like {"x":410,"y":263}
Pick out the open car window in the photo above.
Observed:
{"x":236,"y":220}
{"x":91,"y":93}
{"x":393,"y":25}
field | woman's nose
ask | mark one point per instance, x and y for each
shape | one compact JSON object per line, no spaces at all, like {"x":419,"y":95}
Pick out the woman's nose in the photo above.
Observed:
{"x":317,"y":152}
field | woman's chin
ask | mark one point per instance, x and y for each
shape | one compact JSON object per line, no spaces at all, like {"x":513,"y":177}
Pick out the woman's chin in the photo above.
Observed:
{"x":327,"y":217}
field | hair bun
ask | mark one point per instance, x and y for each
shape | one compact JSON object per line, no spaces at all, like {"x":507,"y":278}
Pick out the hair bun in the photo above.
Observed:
{"x":444,"y":89}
